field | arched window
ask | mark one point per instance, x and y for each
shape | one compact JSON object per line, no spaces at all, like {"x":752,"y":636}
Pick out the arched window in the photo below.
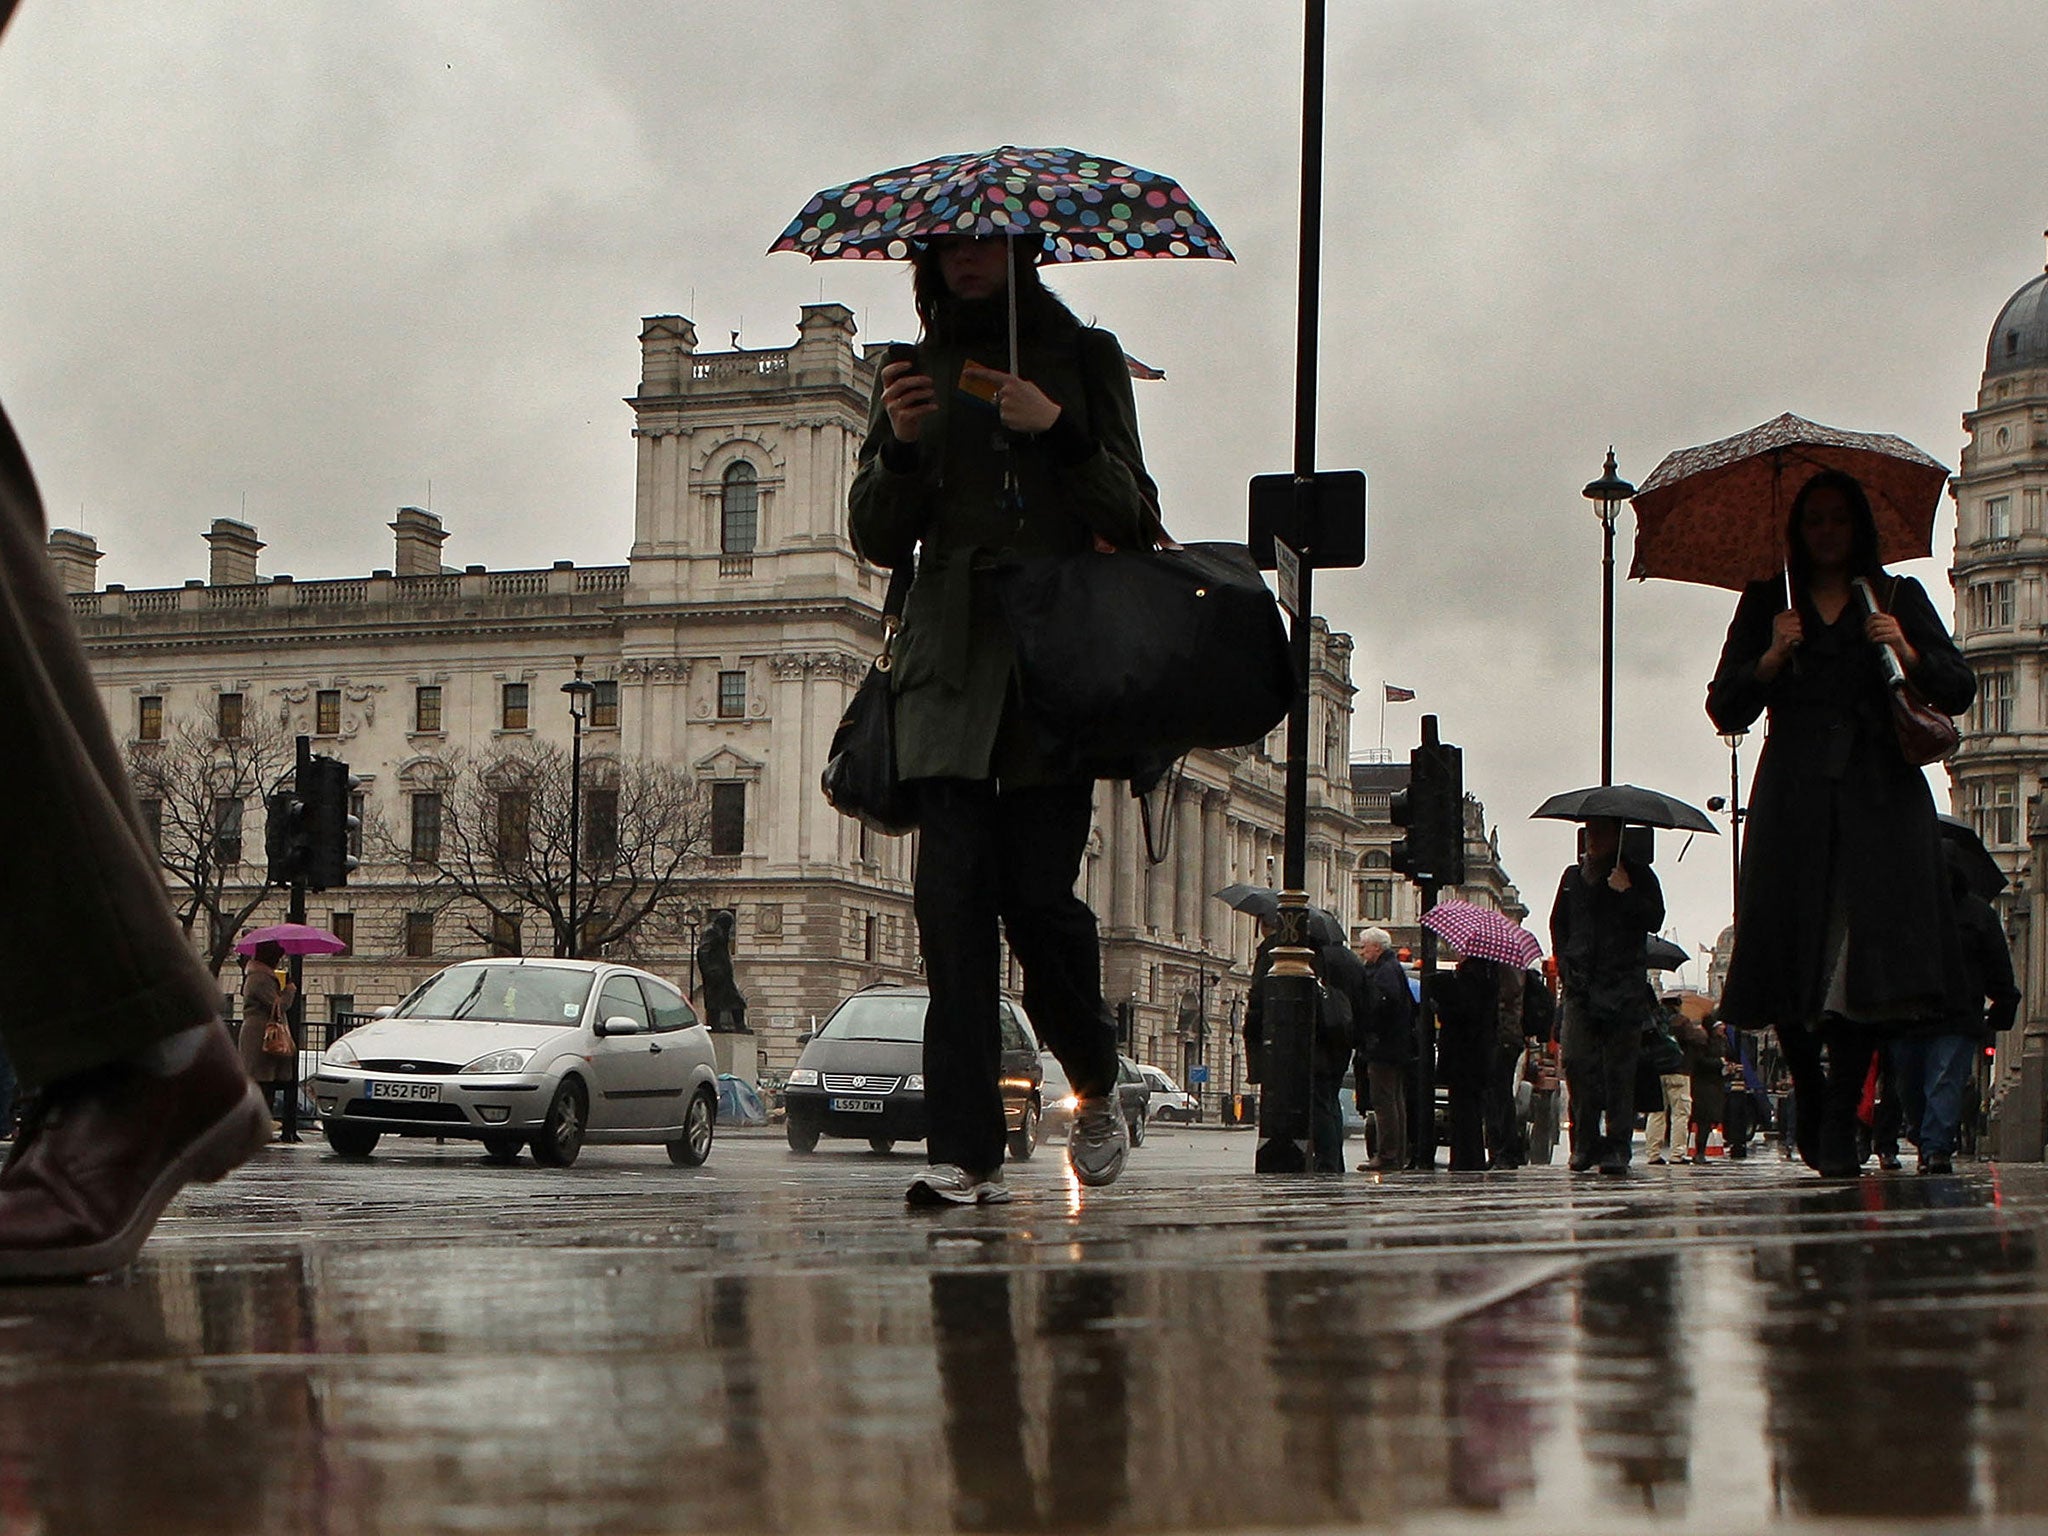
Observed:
{"x":739,"y":505}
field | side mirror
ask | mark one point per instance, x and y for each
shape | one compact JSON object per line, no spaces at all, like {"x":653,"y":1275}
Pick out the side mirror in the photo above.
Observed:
{"x":620,"y":1024}
{"x":804,"y":1040}
{"x":385,"y":1012}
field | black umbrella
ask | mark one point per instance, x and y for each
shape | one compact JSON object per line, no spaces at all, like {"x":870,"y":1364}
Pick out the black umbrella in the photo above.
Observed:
{"x":1662,"y":954}
{"x":1631,"y":803}
{"x":1979,"y":868}
{"x":1264,"y":901}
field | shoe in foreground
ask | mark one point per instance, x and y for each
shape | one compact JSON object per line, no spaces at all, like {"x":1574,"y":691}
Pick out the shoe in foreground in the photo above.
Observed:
{"x":103,"y":1153}
{"x":1099,"y":1143}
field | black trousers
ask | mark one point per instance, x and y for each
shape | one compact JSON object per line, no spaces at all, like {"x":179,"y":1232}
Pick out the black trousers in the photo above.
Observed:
{"x":1600,"y":1056}
{"x":990,"y":856}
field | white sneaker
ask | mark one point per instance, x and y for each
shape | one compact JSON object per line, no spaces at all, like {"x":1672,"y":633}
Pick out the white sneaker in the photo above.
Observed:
{"x":992,"y":1190}
{"x":1099,"y":1142}
{"x":944,"y":1184}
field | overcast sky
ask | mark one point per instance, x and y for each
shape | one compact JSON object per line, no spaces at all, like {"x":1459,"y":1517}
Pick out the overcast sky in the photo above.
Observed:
{"x":296,"y":263}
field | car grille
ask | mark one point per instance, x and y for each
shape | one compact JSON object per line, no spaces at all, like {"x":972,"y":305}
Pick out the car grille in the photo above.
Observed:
{"x":863,"y":1082}
{"x":410,"y":1064}
{"x":402,"y":1109}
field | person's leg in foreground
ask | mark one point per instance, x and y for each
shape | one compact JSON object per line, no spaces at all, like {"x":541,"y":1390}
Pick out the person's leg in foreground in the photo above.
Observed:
{"x":138,"y":1089}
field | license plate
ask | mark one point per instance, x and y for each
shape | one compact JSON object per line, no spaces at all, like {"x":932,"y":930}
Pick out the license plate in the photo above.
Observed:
{"x":858,"y":1106}
{"x":377,"y":1090}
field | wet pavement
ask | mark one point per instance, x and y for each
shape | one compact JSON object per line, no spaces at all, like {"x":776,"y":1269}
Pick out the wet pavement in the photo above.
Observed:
{"x":772,"y":1343}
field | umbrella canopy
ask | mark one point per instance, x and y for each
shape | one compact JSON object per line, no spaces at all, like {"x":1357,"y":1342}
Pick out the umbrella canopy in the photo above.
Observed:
{"x":1624,"y":802}
{"x":292,"y":938}
{"x":1065,"y":205}
{"x":1662,"y":954}
{"x":1263,"y":901}
{"x":1972,"y":857}
{"x":1052,"y":204}
{"x":1715,"y":514}
{"x":1481,"y":931}
{"x":739,"y":1103}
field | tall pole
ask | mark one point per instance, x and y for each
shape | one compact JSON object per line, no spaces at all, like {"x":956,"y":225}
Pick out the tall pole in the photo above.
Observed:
{"x":295,"y":912}
{"x":1290,"y":1003}
{"x":1735,"y":825}
{"x":579,"y":692}
{"x":1607,"y":650}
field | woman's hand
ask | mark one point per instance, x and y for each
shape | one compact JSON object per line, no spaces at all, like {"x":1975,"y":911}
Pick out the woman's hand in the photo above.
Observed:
{"x":1021,"y":404}
{"x":908,"y":398}
{"x":1787,"y":631}
{"x":1617,"y":877}
{"x":1883,"y":629}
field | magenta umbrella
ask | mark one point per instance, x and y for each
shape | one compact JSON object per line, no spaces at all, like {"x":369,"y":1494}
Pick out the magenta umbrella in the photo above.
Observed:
{"x":292,"y":938}
{"x":1481,"y":931}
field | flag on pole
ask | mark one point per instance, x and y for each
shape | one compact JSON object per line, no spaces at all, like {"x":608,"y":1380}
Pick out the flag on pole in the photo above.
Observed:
{"x":1398,"y":695}
{"x":1140,"y":370}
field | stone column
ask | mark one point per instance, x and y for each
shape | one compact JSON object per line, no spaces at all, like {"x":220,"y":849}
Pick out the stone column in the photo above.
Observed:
{"x":1187,"y":861}
{"x":1215,"y":926}
{"x":1127,"y":884}
{"x":2019,"y":1114}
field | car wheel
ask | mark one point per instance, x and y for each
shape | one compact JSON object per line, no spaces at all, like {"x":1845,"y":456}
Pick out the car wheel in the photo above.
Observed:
{"x":803,"y":1137}
{"x":1024,"y":1139}
{"x":502,"y":1148}
{"x":351,"y":1141}
{"x":691,"y":1148}
{"x":882,"y":1144}
{"x":561,"y":1133}
{"x":1137,"y":1127}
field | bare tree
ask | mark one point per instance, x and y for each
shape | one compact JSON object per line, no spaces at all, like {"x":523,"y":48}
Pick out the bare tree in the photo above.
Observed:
{"x":202,"y":799}
{"x":502,"y":848}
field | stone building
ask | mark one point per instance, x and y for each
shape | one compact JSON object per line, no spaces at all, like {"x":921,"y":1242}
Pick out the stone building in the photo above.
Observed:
{"x":728,"y":642}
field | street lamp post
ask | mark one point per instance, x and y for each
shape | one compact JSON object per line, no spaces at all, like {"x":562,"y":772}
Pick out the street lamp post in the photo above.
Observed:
{"x":1607,"y":494}
{"x":1733,"y":741}
{"x":579,"y":691}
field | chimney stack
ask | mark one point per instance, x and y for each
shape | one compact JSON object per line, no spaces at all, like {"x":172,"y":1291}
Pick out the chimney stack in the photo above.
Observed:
{"x":420,"y":537}
{"x":75,"y":556}
{"x":234,"y":554}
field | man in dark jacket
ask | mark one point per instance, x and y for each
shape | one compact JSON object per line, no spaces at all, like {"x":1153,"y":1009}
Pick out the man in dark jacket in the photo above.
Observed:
{"x":1339,"y":977}
{"x":1935,"y":1066}
{"x":1607,"y":905}
{"x":1383,"y":1018}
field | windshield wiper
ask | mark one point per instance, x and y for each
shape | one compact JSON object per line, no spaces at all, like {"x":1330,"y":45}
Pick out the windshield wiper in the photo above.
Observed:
{"x":456,"y":1012}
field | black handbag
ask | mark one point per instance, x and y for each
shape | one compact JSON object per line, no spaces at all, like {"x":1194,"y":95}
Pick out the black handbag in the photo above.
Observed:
{"x":1146,"y":654}
{"x":860,"y":769}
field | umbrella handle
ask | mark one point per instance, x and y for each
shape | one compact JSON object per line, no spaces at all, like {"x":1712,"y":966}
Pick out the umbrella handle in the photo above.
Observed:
{"x":1010,"y":254}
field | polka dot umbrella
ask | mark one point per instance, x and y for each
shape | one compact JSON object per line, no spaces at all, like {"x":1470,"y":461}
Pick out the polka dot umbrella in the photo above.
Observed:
{"x":1055,"y":205}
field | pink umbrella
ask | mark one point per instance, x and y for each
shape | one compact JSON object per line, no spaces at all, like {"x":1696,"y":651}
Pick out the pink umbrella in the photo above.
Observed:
{"x":1481,"y":931}
{"x":292,"y":938}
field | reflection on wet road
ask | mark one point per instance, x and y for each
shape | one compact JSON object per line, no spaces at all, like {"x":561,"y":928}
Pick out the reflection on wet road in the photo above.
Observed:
{"x":772,"y":1344}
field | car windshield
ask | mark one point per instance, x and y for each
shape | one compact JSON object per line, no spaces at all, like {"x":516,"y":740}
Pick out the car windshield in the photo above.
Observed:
{"x":886,"y":1016}
{"x":503,"y":994}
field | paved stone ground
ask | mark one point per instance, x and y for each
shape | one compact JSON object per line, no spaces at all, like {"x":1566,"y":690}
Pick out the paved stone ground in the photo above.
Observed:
{"x":772,"y":1343}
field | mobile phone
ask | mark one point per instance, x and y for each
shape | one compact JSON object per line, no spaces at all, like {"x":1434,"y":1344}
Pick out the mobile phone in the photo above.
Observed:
{"x":900,"y":352}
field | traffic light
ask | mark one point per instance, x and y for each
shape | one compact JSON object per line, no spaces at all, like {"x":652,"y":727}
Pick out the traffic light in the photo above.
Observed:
{"x":327,"y":788}
{"x":1126,"y":1023}
{"x":1432,"y":812}
{"x":284,"y":835}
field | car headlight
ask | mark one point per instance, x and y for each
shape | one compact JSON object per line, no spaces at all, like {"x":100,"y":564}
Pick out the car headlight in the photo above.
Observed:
{"x":914,"y":1083}
{"x":1071,"y":1103}
{"x":802,"y":1077}
{"x":501,"y":1061}
{"x":340,"y":1054}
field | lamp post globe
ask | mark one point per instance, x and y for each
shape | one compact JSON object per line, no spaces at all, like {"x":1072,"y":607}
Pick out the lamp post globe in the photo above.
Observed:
{"x":1607,"y":495}
{"x":579,"y":690}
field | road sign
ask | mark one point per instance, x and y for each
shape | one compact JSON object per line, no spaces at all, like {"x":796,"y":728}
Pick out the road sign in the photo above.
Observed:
{"x":1322,"y":516}
{"x":1198,"y":1076}
{"x":1288,"y":564}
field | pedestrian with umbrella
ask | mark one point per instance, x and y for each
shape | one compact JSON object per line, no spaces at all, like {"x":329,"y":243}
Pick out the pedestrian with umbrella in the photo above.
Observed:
{"x":1845,"y":931}
{"x":1607,"y":906}
{"x":1481,"y":1035}
{"x":1008,"y":432}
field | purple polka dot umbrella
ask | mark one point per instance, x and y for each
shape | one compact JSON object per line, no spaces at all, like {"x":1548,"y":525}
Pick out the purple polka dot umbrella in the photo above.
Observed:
{"x":1055,"y":205}
{"x":1481,"y":931}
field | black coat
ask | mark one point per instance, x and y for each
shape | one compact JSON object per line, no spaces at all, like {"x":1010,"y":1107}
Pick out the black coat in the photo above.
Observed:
{"x":1383,"y":1013}
{"x":1987,"y":971}
{"x":1833,"y":793}
{"x":1339,"y":979}
{"x":1468,"y":1024}
{"x":1597,"y":934}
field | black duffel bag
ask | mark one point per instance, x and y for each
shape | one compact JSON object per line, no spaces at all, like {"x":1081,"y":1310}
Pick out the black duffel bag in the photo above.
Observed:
{"x":1148,"y":653}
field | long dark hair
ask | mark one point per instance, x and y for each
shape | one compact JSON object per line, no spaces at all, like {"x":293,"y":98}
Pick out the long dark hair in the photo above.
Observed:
{"x":1039,"y":310}
{"x":1863,"y":559}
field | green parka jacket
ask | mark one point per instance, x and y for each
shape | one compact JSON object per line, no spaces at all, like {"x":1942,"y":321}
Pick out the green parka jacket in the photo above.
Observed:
{"x":957,"y":714}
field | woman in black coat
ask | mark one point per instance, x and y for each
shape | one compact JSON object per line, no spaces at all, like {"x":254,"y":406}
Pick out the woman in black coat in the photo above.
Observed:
{"x":1845,"y":931}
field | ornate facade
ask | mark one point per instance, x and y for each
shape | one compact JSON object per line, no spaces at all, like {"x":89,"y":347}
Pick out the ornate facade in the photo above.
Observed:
{"x":729,"y":643}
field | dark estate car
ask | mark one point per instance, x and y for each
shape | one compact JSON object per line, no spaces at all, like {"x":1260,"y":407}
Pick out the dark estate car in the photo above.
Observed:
{"x":862,"y":1075}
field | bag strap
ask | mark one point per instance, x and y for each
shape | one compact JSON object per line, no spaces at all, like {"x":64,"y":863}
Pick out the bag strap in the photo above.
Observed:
{"x":892,"y":611}
{"x":1159,"y":841}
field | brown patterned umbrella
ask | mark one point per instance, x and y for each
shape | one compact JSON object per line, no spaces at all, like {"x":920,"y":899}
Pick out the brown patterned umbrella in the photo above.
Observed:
{"x":1716,"y":514}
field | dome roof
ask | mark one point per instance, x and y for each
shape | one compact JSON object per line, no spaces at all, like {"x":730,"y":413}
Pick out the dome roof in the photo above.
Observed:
{"x":2020,"y":338}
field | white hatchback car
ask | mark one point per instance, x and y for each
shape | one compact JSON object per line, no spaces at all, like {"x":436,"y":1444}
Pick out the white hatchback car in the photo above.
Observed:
{"x":516,"y":1053}
{"x":1169,"y":1100}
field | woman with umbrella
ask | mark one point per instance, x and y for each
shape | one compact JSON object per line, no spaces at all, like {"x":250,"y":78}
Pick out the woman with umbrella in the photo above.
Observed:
{"x":981,"y":465}
{"x":1844,"y":931}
